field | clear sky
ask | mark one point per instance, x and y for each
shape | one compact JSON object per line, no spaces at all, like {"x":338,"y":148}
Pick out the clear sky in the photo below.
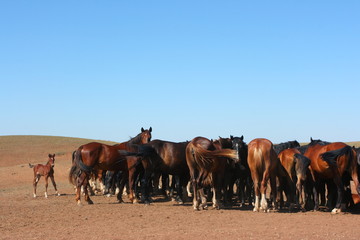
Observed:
{"x":282,"y":70}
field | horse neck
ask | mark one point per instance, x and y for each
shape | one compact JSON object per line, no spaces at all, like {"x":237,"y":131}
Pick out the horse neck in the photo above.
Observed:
{"x":135,"y":140}
{"x":48,"y":164}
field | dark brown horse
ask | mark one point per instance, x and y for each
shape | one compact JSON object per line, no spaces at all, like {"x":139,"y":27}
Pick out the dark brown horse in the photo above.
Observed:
{"x":97,"y":156}
{"x":330,"y":162}
{"x":170,"y":158}
{"x":297,"y":166}
{"x":47,"y":171}
{"x":134,"y":166}
{"x":265,"y":165}
{"x":207,"y":166}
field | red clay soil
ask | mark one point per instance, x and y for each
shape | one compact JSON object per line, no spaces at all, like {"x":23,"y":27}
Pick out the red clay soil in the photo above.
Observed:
{"x":59,"y":217}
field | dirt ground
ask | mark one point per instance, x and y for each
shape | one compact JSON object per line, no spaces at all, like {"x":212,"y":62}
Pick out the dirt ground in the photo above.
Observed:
{"x":59,"y":217}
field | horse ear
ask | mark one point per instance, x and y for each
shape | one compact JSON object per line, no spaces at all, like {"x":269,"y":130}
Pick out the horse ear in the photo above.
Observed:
{"x":50,"y":155}
{"x":242,"y":137}
{"x":231,"y":137}
{"x":142,"y":130}
{"x":311,"y":139}
{"x":150,"y":129}
{"x":54,"y":155}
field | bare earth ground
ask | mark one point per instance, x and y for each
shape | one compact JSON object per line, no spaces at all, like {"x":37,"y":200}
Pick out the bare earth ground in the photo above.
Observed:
{"x":59,"y":217}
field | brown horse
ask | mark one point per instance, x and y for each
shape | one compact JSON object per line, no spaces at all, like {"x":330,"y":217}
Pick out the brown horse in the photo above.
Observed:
{"x":133,"y":163}
{"x":330,"y":162}
{"x":170,"y":158}
{"x":297,"y":166}
{"x":207,"y":166}
{"x":47,"y":171}
{"x":97,"y":156}
{"x":265,"y":165}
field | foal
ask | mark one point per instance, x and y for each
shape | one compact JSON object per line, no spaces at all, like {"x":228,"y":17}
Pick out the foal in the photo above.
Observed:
{"x":47,"y":171}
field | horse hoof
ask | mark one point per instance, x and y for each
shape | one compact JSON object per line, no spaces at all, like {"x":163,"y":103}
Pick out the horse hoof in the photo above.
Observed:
{"x":34,"y":195}
{"x":90,"y":202}
{"x":79,"y":203}
{"x":204,"y":207}
{"x":336,"y":211}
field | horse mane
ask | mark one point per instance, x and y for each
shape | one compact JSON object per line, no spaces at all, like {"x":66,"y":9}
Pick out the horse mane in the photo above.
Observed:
{"x":318,"y":141}
{"x":285,"y":145}
{"x":302,"y":149}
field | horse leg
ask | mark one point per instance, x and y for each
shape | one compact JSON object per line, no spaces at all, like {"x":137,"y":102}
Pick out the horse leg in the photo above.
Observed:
{"x":131,"y":184}
{"x":300,"y":195}
{"x":274,"y":191}
{"x":203,"y":199}
{"x":165,"y":189}
{"x":321,"y":192}
{"x":86,"y":193}
{"x":340,"y":192}
{"x":122,"y":183}
{"x":257,"y":195}
{"x":35,"y":182}
{"x":46,"y":185}
{"x":180,"y":182}
{"x":54,"y":184}
{"x":263,"y":187}
{"x":188,"y":189}
{"x":145,"y":185}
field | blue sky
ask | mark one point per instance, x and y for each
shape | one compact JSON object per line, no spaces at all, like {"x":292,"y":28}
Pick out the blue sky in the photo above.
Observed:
{"x":282,"y":70}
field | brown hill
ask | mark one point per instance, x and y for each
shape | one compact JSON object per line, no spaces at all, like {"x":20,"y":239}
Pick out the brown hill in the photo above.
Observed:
{"x":15,"y":150}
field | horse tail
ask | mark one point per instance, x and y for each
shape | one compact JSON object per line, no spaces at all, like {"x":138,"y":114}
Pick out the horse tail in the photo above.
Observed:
{"x":78,"y":166}
{"x":31,"y":166}
{"x":205,"y":158}
{"x":331,"y":156}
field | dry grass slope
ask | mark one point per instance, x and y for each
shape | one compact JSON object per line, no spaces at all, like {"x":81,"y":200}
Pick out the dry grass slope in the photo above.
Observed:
{"x":15,"y":150}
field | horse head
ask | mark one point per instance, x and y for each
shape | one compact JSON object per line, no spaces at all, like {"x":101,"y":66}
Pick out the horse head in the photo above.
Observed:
{"x":241,"y":147}
{"x":51,"y":160}
{"x":145,"y":135}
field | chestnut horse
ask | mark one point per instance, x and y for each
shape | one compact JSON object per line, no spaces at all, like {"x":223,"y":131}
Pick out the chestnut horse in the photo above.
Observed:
{"x":207,"y":167}
{"x":264,"y":165}
{"x":297,"y":166}
{"x":329,"y":162}
{"x":97,"y":156}
{"x":47,"y":171}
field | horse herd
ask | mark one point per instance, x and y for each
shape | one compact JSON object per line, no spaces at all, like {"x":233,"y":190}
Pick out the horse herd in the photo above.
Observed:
{"x":300,"y":177}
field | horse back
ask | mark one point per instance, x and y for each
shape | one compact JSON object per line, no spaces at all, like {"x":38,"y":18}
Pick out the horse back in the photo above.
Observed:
{"x":322,"y":167}
{"x":171,"y":156}
{"x":102,"y":156}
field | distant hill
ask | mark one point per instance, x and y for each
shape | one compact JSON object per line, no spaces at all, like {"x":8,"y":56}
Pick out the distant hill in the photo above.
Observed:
{"x":15,"y":150}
